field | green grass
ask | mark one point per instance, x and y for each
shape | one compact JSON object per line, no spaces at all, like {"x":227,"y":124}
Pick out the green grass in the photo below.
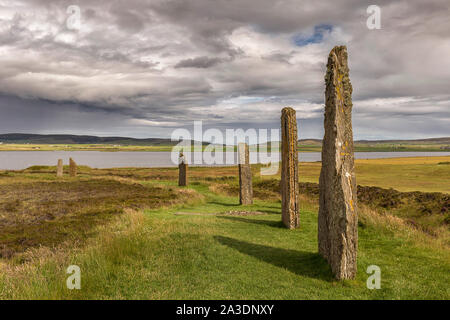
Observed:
{"x":167,"y":256}
{"x":426,"y":174}
{"x":153,"y":253}
{"x":384,"y":147}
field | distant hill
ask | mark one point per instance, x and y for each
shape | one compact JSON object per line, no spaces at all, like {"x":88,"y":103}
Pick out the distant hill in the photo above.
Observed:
{"x":75,"y":139}
{"x":430,"y":141}
{"x":22,"y":138}
{"x":310,"y":142}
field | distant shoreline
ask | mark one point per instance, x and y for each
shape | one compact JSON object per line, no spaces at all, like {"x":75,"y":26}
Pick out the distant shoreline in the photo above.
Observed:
{"x":359,"y":147}
{"x":20,"y":160}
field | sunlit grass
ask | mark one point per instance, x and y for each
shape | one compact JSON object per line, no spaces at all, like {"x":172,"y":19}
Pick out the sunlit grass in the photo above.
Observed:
{"x":160,"y":255}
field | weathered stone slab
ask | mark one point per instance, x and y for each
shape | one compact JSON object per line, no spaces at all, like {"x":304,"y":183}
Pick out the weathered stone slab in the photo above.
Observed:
{"x":182,"y":171}
{"x":338,"y":219}
{"x":72,"y":168}
{"x":245,"y":175}
{"x":289,"y":169}
{"x":59,"y":168}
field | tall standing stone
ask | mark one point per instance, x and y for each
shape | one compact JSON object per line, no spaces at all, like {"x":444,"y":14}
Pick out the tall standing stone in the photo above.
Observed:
{"x":245,"y":175}
{"x":338,"y":219}
{"x":72,"y":168}
{"x":182,"y":174}
{"x":289,"y":169}
{"x":59,"y":168}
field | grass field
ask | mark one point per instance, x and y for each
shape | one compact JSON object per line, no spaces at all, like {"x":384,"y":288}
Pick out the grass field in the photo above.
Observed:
{"x":428,"y":174}
{"x":384,"y":147}
{"x":135,"y":234}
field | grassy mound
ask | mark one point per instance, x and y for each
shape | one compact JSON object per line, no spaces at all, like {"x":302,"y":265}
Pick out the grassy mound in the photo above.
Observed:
{"x":43,"y":211}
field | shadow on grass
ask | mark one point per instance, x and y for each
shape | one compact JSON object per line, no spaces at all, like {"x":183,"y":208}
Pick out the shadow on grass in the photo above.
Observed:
{"x":306,"y":264}
{"x":274,"y":224}
{"x":269,"y":211}
{"x":225,"y":204}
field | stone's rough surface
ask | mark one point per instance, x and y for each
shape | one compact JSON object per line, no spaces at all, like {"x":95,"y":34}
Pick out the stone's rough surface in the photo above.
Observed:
{"x":245,"y":175}
{"x":182,"y":174}
{"x":72,"y":168}
{"x":289,"y":169}
{"x":59,"y":168}
{"x":338,"y":219}
{"x":243,"y":153}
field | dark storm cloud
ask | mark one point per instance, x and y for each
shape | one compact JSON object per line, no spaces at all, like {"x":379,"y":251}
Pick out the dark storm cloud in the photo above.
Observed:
{"x":199,"y":62}
{"x":143,"y":68}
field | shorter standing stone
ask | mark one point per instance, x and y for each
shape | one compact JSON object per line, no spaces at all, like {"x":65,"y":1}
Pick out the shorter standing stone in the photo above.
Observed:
{"x":72,"y":168}
{"x":289,"y":169}
{"x":182,"y":168}
{"x":59,"y":168}
{"x":245,"y":175}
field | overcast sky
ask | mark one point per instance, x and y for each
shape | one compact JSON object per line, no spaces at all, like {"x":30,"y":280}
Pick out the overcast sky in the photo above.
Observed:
{"x":145,"y":68}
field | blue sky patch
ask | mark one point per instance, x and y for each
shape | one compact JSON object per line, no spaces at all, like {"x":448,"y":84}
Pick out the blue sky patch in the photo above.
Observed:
{"x":317,"y":36}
